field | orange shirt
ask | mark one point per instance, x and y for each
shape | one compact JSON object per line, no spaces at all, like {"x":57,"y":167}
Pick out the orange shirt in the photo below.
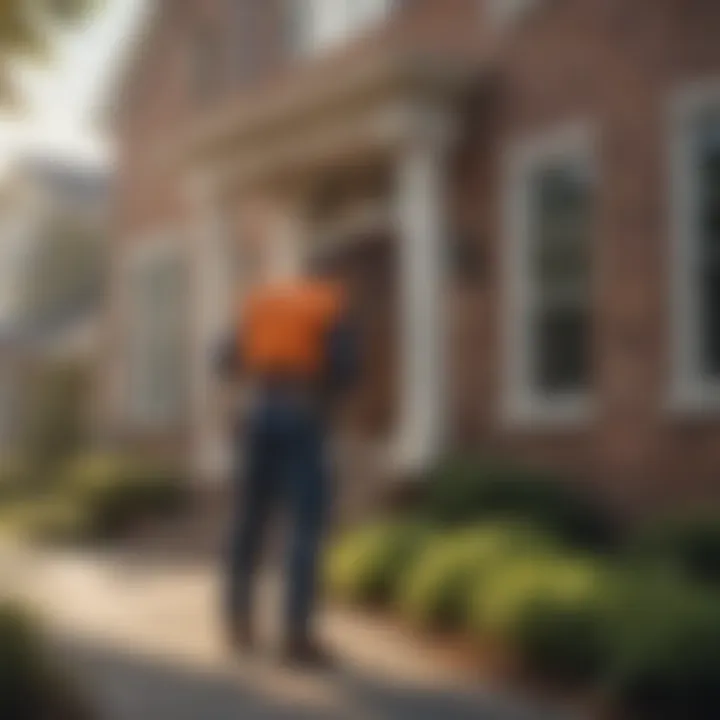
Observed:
{"x":284,"y":327}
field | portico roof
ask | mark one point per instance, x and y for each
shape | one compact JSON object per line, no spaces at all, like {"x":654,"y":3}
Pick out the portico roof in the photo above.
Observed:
{"x":365,"y":106}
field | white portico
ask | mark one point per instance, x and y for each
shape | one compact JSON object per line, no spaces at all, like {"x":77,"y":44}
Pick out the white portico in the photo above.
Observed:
{"x":361,"y":160}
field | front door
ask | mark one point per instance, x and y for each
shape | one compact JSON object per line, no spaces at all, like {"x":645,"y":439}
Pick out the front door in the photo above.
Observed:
{"x":369,"y":269}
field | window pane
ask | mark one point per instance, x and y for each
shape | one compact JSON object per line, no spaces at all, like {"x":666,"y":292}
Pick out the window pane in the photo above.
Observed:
{"x":327,"y":22}
{"x":710,"y":314}
{"x":563,"y":357}
{"x":708,"y":159}
{"x":560,"y":264}
{"x":561,"y":215}
{"x":709,"y":162}
{"x":159,"y":354}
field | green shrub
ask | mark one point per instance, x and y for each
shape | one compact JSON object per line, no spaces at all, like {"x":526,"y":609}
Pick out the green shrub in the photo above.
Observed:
{"x":46,"y":520}
{"x":52,"y":428}
{"x":436,"y":589}
{"x":689,"y":546}
{"x":96,"y":497}
{"x":14,"y":478}
{"x":365,"y":565}
{"x":666,"y":662}
{"x":468,"y":489}
{"x":550,"y":611}
{"x":31,"y":688}
{"x":114,"y":493}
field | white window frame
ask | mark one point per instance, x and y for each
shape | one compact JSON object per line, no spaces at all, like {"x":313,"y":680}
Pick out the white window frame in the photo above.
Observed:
{"x":690,"y":391}
{"x":504,"y":13}
{"x":315,"y":33}
{"x":159,"y":247}
{"x":522,"y":403}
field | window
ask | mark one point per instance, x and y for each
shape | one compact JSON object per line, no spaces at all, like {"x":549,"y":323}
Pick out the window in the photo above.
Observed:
{"x":158,"y":352}
{"x":696,"y":199}
{"x":504,"y":12}
{"x":549,"y":266}
{"x":319,"y":24}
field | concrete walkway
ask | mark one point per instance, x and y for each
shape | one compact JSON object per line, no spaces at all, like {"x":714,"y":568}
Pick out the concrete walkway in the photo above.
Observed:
{"x":142,"y":636}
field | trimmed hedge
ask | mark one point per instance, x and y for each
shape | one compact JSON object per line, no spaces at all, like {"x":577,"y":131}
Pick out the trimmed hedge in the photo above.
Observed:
{"x":689,"y":546}
{"x":96,"y":497}
{"x":512,"y":557}
{"x":46,"y":520}
{"x":14,"y":478}
{"x":468,"y":489}
{"x":114,"y":493}
{"x":435,"y":590}
{"x":31,"y":687}
{"x":666,"y":651}
{"x":552,"y":611}
{"x":365,"y":565}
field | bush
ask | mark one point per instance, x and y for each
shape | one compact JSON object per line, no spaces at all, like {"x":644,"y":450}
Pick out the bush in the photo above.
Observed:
{"x":550,"y":611}
{"x":365,"y":566}
{"x":114,"y":493}
{"x":52,"y":428}
{"x":466,"y":490}
{"x":97,"y":497}
{"x":30,"y":687}
{"x":46,"y":520}
{"x":667,"y":652}
{"x":689,"y":546}
{"x":14,"y":478}
{"x":436,"y":590}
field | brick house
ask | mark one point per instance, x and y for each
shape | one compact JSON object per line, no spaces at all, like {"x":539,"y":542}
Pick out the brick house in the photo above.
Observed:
{"x":53,"y":239}
{"x":525,"y":194}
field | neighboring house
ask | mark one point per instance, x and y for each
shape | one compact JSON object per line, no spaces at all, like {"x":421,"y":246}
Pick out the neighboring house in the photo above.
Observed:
{"x":53,"y":248}
{"x":526,"y":194}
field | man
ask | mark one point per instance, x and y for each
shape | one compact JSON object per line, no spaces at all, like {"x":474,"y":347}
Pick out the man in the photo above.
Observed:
{"x":294,"y":347}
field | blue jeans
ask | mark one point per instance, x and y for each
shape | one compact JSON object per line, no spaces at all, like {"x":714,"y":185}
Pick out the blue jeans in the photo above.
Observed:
{"x":284,"y":464}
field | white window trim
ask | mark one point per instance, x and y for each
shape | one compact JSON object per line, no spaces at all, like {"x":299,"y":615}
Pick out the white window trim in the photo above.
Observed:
{"x":690,"y":392}
{"x":505,"y":13}
{"x":521,"y":403}
{"x":306,"y":41}
{"x":157,"y":246}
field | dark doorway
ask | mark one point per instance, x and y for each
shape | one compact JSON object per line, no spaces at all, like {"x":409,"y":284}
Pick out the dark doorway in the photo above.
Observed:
{"x":368,"y":266}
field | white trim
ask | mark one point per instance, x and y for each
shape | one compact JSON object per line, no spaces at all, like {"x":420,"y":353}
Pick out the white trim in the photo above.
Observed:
{"x":690,"y":392}
{"x":504,"y":13}
{"x":321,"y":25}
{"x":214,"y":297}
{"x":155,"y":247}
{"x":521,"y":404}
{"x":421,"y":223}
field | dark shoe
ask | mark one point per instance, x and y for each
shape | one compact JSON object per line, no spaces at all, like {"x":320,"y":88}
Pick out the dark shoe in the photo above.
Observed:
{"x":307,"y":653}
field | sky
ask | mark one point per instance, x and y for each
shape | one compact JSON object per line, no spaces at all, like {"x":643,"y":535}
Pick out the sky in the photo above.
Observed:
{"x":64,"y":96}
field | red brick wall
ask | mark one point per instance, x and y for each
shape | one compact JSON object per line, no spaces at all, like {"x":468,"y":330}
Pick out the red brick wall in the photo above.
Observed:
{"x":612,"y":63}
{"x":616,"y":65}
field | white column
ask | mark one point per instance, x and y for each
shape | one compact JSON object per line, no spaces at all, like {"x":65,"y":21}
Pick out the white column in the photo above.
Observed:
{"x":288,"y":240}
{"x":212,"y":311}
{"x":422,"y":235}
